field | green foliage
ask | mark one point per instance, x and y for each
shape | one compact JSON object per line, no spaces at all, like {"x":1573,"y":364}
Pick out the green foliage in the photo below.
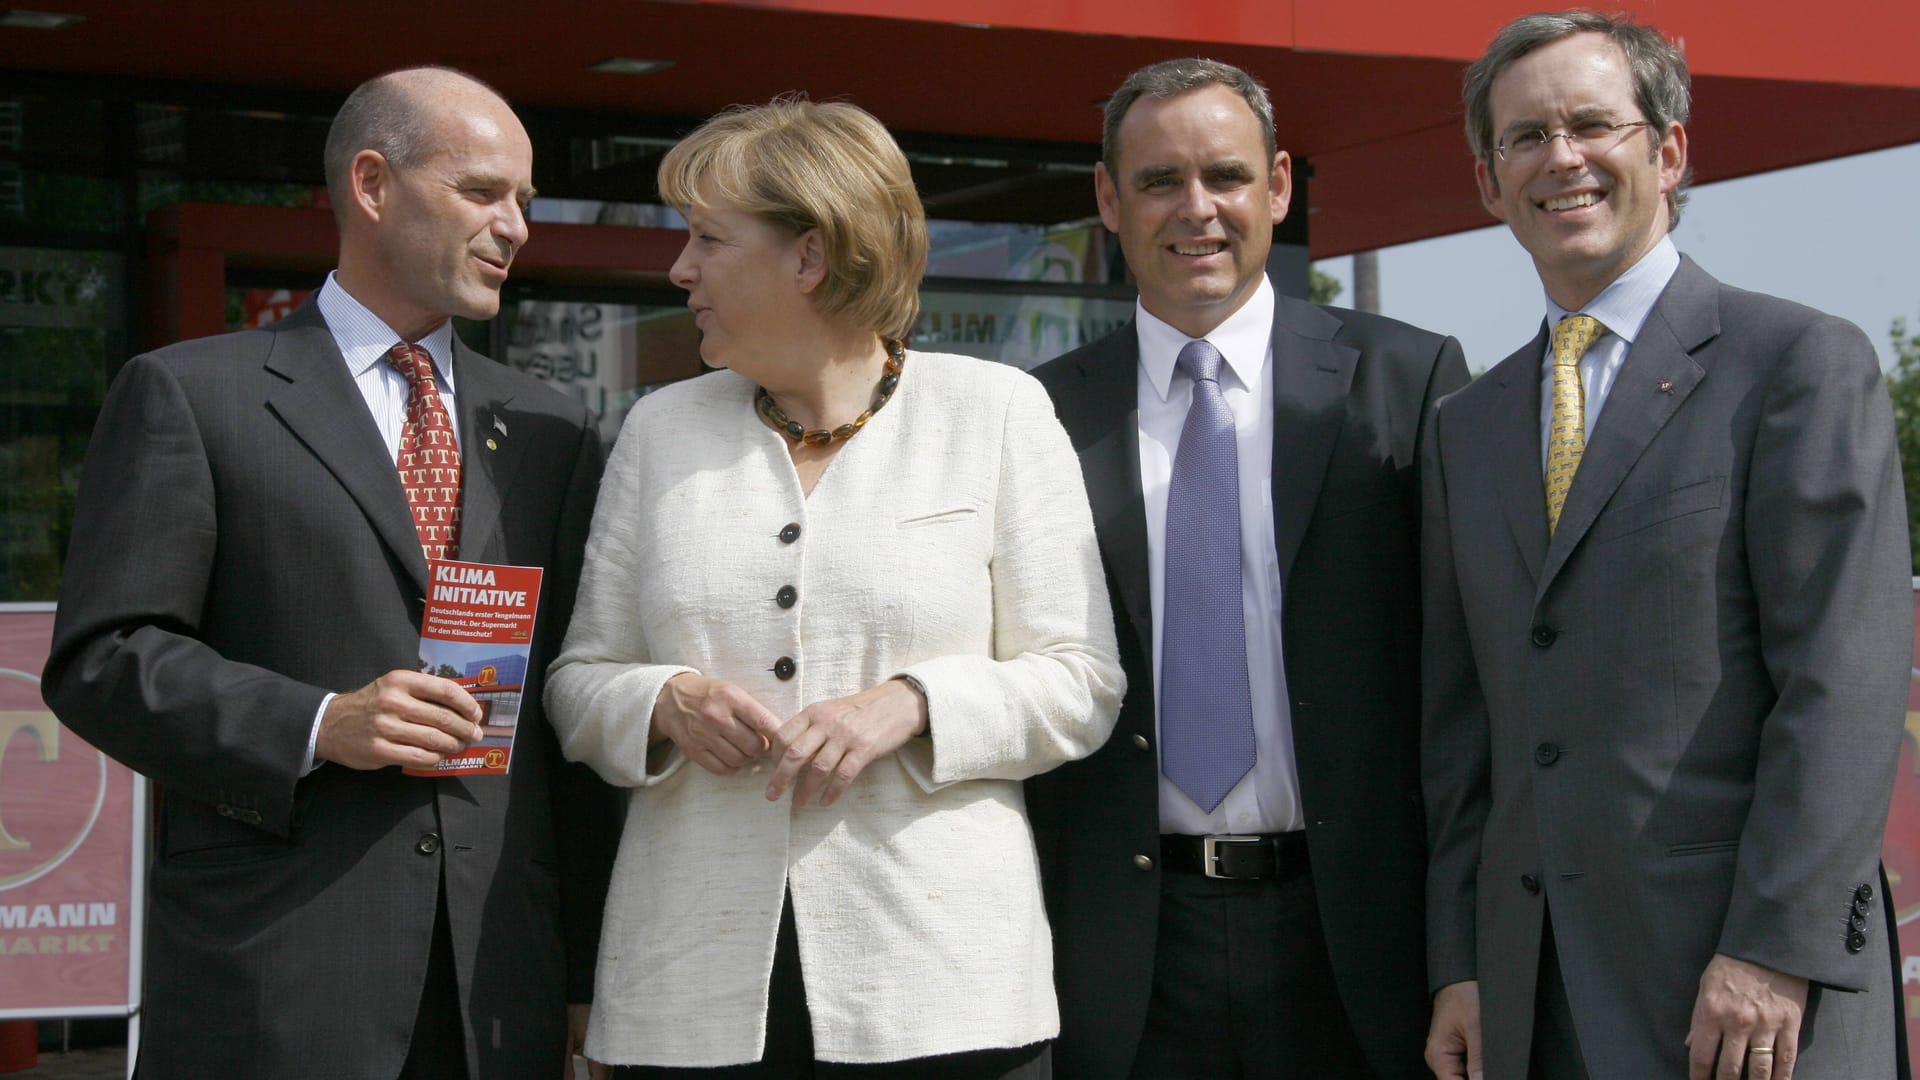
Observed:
{"x":1325,"y":288}
{"x":158,"y":191}
{"x":53,"y":201}
{"x":1903,"y":384}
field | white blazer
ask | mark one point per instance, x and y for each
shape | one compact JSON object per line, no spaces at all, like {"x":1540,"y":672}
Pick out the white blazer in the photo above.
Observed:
{"x":949,"y":540}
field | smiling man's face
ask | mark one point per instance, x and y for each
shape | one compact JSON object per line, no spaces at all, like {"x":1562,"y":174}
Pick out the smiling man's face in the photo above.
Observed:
{"x":1585,"y":214}
{"x":1193,"y":198}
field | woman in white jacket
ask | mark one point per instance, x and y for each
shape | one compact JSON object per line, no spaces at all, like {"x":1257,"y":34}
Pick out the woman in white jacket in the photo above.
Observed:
{"x":839,"y":600}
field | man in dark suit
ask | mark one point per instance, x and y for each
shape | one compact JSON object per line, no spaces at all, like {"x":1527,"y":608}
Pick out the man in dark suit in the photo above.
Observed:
{"x":1668,"y":616}
{"x":240,"y":622}
{"x":1234,"y":880}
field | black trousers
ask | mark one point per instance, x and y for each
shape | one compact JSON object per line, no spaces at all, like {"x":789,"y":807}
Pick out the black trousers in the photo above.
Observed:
{"x":789,"y":1050}
{"x":1242,"y":986}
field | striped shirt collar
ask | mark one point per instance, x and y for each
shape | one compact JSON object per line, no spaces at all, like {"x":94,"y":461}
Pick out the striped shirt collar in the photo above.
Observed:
{"x":364,"y":337}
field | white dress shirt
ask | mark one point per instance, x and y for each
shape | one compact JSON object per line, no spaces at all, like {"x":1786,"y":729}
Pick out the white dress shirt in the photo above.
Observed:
{"x":364,"y":339}
{"x":1267,"y":799}
{"x":1622,"y":307}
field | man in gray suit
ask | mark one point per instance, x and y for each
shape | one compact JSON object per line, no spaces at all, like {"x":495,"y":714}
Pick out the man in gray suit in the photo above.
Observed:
{"x":240,"y":622}
{"x":1667,"y":621}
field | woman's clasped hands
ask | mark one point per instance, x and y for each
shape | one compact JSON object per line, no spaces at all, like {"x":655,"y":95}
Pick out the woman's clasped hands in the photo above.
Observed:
{"x":819,"y":751}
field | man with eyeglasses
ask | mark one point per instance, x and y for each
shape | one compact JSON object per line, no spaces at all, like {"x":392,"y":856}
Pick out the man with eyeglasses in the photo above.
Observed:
{"x":1667,"y":625}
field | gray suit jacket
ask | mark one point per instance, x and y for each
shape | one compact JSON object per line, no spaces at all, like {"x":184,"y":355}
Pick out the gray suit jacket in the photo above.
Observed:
{"x":1676,"y":723}
{"x":241,"y":547}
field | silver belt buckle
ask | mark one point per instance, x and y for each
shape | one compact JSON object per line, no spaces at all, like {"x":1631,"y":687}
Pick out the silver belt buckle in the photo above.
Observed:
{"x":1210,"y":853}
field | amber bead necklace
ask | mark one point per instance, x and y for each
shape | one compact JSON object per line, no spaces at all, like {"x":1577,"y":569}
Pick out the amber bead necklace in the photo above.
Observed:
{"x":889,"y":379}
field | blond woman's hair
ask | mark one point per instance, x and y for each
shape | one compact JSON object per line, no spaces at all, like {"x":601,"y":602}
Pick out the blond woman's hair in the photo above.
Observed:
{"x":812,"y":165}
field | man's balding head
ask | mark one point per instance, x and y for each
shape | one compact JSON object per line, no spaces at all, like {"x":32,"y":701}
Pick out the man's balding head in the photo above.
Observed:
{"x":393,"y":115}
{"x":431,"y":175}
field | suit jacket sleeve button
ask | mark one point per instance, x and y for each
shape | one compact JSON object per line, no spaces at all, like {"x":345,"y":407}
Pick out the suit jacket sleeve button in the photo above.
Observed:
{"x":1857,"y":921}
{"x":1856,"y":941}
{"x":1140,"y":742}
{"x":1861,"y":907}
{"x":224,"y":810}
{"x":1531,"y":884}
{"x":1864,"y":892}
{"x":1143,"y":862}
{"x":427,"y":844}
{"x":1543,"y":635}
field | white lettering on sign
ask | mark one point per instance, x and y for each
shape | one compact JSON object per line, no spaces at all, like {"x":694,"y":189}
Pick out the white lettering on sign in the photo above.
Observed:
{"x":23,"y":917}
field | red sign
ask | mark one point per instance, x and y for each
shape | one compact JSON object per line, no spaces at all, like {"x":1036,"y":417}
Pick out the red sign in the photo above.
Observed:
{"x":262,"y":306}
{"x":70,"y":908}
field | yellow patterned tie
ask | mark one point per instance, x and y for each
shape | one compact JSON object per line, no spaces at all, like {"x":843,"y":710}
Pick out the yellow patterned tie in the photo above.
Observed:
{"x":1567,"y":434}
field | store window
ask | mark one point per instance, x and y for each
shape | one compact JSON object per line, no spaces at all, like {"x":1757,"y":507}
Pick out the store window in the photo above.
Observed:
{"x":60,"y":314}
{"x":52,"y":166}
{"x":1019,"y":294}
{"x":62,"y":321}
{"x":606,"y":351}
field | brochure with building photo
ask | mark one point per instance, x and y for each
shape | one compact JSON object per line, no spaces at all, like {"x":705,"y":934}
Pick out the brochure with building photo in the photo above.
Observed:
{"x":478,"y":631}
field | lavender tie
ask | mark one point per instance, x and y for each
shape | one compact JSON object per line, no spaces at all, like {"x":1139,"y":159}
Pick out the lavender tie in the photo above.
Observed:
{"x":1206,"y":712}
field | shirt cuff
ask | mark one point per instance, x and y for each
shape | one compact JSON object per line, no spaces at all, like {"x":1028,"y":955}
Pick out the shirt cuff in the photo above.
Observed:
{"x":313,"y":737}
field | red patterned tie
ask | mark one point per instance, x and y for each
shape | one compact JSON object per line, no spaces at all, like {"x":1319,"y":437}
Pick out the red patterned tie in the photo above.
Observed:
{"x":429,"y":458}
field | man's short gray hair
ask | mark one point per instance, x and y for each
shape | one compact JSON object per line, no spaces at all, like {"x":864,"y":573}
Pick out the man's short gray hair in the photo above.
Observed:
{"x":1662,"y":86}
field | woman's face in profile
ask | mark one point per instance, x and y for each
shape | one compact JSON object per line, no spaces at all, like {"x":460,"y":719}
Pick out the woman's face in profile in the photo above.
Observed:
{"x":742,"y":274}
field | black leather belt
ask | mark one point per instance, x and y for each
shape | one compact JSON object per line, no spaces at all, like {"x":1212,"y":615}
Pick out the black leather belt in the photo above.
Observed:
{"x":1242,"y":858}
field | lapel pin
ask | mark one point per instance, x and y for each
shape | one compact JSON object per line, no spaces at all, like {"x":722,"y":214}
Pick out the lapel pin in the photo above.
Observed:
{"x":1666,"y":387}
{"x":500,"y":426}
{"x":491,"y":445}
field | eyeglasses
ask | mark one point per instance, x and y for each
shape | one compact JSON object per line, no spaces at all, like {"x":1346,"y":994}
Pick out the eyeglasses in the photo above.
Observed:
{"x":1582,"y":137}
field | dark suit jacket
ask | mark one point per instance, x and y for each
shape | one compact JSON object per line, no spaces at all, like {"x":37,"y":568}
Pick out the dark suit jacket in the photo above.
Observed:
{"x":1676,"y":723}
{"x":1350,"y":394}
{"x":241,"y":547}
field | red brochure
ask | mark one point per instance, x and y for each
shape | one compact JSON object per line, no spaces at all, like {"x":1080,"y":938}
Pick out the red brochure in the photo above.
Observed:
{"x":478,"y":632}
